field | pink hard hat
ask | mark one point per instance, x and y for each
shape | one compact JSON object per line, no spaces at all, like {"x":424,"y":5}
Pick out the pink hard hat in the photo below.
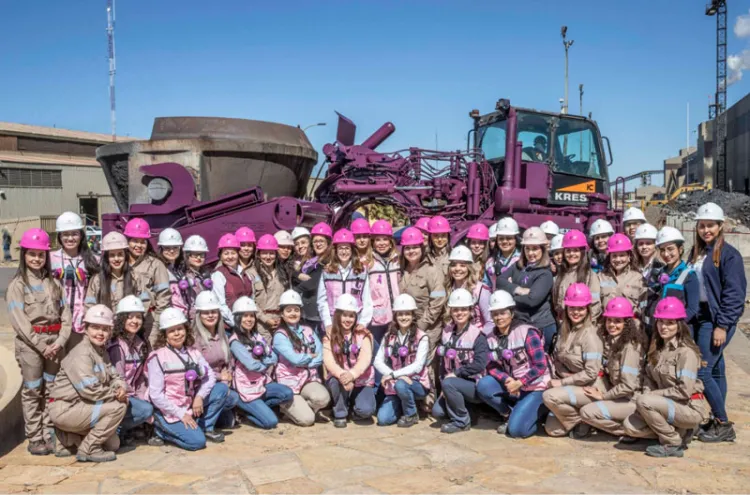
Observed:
{"x":343,"y":236}
{"x":381,"y":227}
{"x":574,"y":239}
{"x":137,"y":228}
{"x":619,"y":243}
{"x":245,"y":234}
{"x":577,"y":295}
{"x":267,"y":242}
{"x":412,"y":236}
{"x":670,"y":308}
{"x":229,"y":241}
{"x":479,"y":232}
{"x":360,"y":227}
{"x":619,"y":307}
{"x":439,"y":225}
{"x":35,"y":239}
{"x":322,"y":229}
{"x":423,"y":224}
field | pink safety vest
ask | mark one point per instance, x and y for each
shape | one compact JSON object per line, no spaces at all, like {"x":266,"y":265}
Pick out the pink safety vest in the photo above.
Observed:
{"x":136,"y":370}
{"x":293,"y":376}
{"x":518,"y":365}
{"x":384,"y":278}
{"x":335,"y":286}
{"x":366,"y":379}
{"x":250,"y":385}
{"x":397,"y":362}
{"x":81,"y":283}
{"x":178,"y":390}
{"x":464,"y":348}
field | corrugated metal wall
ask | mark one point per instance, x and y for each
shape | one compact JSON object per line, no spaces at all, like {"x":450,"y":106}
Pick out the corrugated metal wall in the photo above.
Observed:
{"x":738,"y":146}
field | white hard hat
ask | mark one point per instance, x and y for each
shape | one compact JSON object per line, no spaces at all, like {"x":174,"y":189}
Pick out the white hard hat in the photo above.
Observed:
{"x":501,"y":300}
{"x":507,"y":226}
{"x":710,"y":211}
{"x":461,"y":253}
{"x":244,"y":304}
{"x":283,"y":238}
{"x":299,"y":232}
{"x":346,"y":302}
{"x":171,"y":317}
{"x":206,"y":301}
{"x":556,"y":243}
{"x":68,"y":221}
{"x":195,"y":244}
{"x":130,"y":304}
{"x":493,"y":231}
{"x":460,"y":298}
{"x":550,"y":228}
{"x":534,"y":236}
{"x":633,"y":215}
{"x":667,"y":235}
{"x":645,"y":231}
{"x":169,"y":237}
{"x":404,"y":302}
{"x":601,"y":226}
{"x":290,"y":298}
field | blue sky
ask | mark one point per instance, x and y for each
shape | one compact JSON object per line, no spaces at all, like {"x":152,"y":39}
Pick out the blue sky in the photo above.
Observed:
{"x":420,"y":64}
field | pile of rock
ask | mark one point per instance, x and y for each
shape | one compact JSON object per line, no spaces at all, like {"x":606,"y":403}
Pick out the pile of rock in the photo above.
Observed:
{"x":736,"y":206}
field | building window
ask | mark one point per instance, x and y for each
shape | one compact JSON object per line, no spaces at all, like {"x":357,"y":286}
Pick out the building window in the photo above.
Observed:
{"x":30,"y":177}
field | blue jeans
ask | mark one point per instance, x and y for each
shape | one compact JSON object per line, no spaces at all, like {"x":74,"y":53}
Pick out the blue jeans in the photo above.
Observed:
{"x":226,"y":417}
{"x":549,"y":332}
{"x":452,"y":403}
{"x":363,"y":399}
{"x":525,"y":410}
{"x":404,"y":402}
{"x":259,"y":410}
{"x":185,"y":438}
{"x":137,"y":413}
{"x":713,"y":375}
{"x":378,"y":332}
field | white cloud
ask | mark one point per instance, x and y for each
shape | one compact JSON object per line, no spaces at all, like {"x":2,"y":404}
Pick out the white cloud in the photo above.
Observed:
{"x":736,"y":64}
{"x":742,"y":26}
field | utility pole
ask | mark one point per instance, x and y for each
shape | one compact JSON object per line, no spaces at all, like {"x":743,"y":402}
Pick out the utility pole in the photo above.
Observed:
{"x":112,"y":66}
{"x":567,"y":44}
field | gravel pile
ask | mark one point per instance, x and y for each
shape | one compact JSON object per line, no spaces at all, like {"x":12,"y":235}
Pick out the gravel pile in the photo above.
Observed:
{"x":735,"y":205}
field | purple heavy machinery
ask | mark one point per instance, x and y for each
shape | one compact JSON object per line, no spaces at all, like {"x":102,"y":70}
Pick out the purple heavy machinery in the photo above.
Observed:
{"x":210,"y":176}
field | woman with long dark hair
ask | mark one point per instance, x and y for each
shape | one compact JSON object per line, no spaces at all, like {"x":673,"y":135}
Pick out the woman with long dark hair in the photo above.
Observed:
{"x":576,"y":269}
{"x":170,"y":253}
{"x":196,"y":276}
{"x":620,"y":276}
{"x":114,"y":280}
{"x":270,"y":280}
{"x":440,"y":242}
{"x":311,"y":249}
{"x":230,"y":280}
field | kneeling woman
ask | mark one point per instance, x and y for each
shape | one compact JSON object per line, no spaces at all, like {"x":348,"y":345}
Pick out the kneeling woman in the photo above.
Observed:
{"x":182,"y":386}
{"x":300,"y":355}
{"x":89,"y":398}
{"x":463,"y":354}
{"x":254,"y":362}
{"x":672,"y":404}
{"x":519,"y":370}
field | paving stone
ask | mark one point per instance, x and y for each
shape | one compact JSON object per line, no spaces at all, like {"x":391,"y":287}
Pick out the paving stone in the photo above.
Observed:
{"x":35,"y":475}
{"x":160,"y":477}
{"x":273,"y":469}
{"x":350,"y":489}
{"x":442,"y":452}
{"x":357,"y":474}
{"x":228,"y":482}
{"x":331,"y":458}
{"x":116,"y":485}
{"x":295,"y":485}
{"x":72,"y":487}
{"x":165,"y":489}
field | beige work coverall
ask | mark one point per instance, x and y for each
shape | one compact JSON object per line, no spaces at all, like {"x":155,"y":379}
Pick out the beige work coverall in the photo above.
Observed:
{"x":267,"y":299}
{"x":83,"y":408}
{"x":117,"y":292}
{"x":629,"y":284}
{"x":151,"y":277}
{"x":37,"y":305}
{"x":441,"y":261}
{"x":578,"y":360}
{"x":593,"y":283}
{"x":666,"y":409}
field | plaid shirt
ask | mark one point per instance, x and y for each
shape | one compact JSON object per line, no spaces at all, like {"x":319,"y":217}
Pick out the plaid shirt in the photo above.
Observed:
{"x":537,"y":361}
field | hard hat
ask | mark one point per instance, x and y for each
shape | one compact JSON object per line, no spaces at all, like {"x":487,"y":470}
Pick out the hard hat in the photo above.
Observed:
{"x":169,"y":237}
{"x":35,"y":239}
{"x":346,"y":302}
{"x":670,"y":308}
{"x":439,"y":225}
{"x":461,"y":253}
{"x":645,"y":231}
{"x":600,"y":227}
{"x":114,"y":240}
{"x":507,"y":226}
{"x":619,"y":307}
{"x":556,"y":243}
{"x":493,"y":231}
{"x":619,"y":243}
{"x":99,"y":315}
{"x":381,"y":227}
{"x":404,"y":302}
{"x":412,"y":236}
{"x":423,"y":224}
{"x":322,"y":229}
{"x":195,"y":244}
{"x":343,"y":236}
{"x":460,"y":298}
{"x":130,"y":304}
{"x":267,"y":242}
{"x":577,"y":295}
{"x":574,"y":239}
{"x":244,"y":304}
{"x":298,"y":232}
{"x":633,"y":215}
{"x":550,"y":228}
{"x":206,"y":301}
{"x":245,"y":234}
{"x":710,"y":211}
{"x":360,"y":226}
{"x":68,"y":221}
{"x":534,"y":236}
{"x":229,"y":241}
{"x":137,"y":228}
{"x":669,"y":234}
{"x":284,"y":238}
{"x":171,"y":317}
{"x":290,"y":298}
{"x":501,"y":299}
{"x":478,"y":232}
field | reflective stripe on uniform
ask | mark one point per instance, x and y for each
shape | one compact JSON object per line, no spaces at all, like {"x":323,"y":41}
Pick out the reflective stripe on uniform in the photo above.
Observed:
{"x":571,"y":395}
{"x":591,"y":355}
{"x":603,"y":408}
{"x":32,"y":384}
{"x":48,"y":377}
{"x":687,"y":373}
{"x":437,"y":293}
{"x":98,"y":367}
{"x":15,"y":305}
{"x":160,"y":287}
{"x":629,"y":370}
{"x":95,"y":413}
{"x":670,"y":411}
{"x":85,"y":383}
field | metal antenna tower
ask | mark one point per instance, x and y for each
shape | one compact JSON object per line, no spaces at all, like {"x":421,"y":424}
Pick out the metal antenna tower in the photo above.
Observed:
{"x":112,"y":66}
{"x":717,"y":110}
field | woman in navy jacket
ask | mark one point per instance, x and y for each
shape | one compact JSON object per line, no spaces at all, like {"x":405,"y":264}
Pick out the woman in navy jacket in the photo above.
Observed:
{"x":723,"y":286}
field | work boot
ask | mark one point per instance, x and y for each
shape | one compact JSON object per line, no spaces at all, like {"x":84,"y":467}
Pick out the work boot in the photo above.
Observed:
{"x":96,"y":455}
{"x":155,"y":441}
{"x":214,"y":436}
{"x":63,"y":451}
{"x":454,"y":428}
{"x":339,"y":423}
{"x":407,"y":421}
{"x":626,"y":440}
{"x":502,"y":428}
{"x":721,"y":432}
{"x":39,"y":447}
{"x":127,"y":439}
{"x":580,"y":431}
{"x":324,"y":416}
{"x":665,"y":451}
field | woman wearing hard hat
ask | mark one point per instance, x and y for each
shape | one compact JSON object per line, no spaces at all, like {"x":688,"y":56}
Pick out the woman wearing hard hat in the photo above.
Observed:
{"x":477,"y":240}
{"x":723,"y":288}
{"x":600,"y":232}
{"x":576,"y":269}
{"x":507,"y":245}
{"x":170,"y":253}
{"x":518,"y":370}
{"x":550,"y":229}
{"x":230,"y":281}
{"x":671,"y":405}
{"x":620,"y":277}
{"x":556,"y":254}
{"x":362,"y":240}
{"x":285,"y":250}
{"x":196,"y":276}
{"x":645,"y":250}
{"x":440,"y":242}
{"x":631,"y":220}
{"x":307,"y":279}
{"x":270,"y":280}
{"x":89,"y":397}
{"x":114,"y":280}
{"x":462,"y":275}
{"x":246,"y":252}
{"x":42,"y":323}
{"x":463,"y":359}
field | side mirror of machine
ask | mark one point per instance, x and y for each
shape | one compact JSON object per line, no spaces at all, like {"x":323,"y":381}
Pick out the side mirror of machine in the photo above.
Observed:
{"x":609,"y":158}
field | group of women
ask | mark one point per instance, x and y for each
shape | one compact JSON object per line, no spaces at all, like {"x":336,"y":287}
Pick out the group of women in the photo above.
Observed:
{"x":622,"y":333}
